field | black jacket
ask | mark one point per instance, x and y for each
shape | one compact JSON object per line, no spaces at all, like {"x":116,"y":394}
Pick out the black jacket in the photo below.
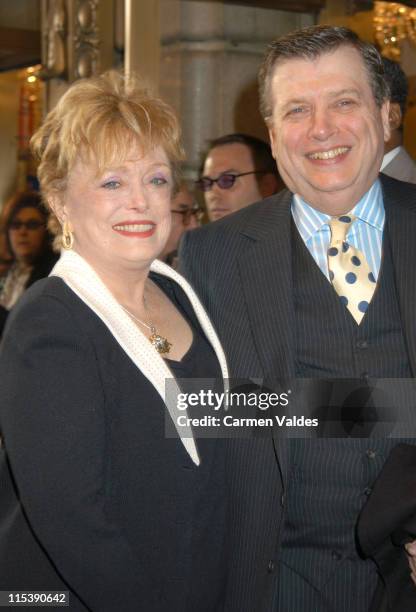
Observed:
{"x":111,"y":509}
{"x":40,"y":270}
{"x":386,"y":523}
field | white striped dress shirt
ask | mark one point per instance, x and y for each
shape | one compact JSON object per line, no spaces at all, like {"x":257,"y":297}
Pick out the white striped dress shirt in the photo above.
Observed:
{"x":365,"y":234}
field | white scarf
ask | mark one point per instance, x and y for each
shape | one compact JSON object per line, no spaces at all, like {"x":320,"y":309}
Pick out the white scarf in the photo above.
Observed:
{"x":88,"y":286}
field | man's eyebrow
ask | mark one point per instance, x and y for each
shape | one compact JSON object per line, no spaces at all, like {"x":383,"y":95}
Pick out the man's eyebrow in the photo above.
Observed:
{"x":345,"y":92}
{"x":230,"y":171}
{"x":294,"y":101}
{"x":332,"y":94}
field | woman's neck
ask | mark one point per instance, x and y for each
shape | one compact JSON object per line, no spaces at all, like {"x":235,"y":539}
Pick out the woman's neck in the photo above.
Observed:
{"x":24,"y":263}
{"x":128,"y":285}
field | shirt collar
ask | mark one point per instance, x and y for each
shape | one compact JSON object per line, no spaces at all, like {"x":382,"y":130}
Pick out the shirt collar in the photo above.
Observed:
{"x":369,"y":209}
{"x":389,"y":157}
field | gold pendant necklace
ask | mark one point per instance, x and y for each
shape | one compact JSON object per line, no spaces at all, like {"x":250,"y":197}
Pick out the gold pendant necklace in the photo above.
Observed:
{"x":161,"y":344}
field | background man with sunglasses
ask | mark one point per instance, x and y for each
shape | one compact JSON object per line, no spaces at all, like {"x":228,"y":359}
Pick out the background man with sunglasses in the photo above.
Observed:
{"x":185,"y":216}
{"x":238,"y":170}
{"x":316,"y":282}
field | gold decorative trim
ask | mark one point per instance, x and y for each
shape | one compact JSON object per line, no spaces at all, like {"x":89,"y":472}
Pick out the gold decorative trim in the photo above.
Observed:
{"x":70,"y":39}
{"x":393,"y":22}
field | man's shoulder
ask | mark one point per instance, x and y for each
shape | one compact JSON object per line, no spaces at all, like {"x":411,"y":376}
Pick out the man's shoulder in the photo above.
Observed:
{"x":399,"y":193}
{"x":402,"y":167}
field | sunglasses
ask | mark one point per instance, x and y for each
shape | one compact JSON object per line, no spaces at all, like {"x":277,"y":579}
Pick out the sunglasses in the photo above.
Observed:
{"x":32,"y":224}
{"x":189,"y":212}
{"x":224,"y":181}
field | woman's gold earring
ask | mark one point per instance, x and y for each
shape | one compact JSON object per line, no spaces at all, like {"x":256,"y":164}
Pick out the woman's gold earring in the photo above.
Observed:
{"x":67,"y":237}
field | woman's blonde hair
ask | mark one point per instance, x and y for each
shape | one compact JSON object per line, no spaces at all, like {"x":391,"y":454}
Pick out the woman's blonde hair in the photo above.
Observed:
{"x":103,"y":117}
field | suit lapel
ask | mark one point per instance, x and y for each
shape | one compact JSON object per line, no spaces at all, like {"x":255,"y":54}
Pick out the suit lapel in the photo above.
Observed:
{"x":266,"y":277}
{"x":265,"y":270}
{"x":400,"y":205}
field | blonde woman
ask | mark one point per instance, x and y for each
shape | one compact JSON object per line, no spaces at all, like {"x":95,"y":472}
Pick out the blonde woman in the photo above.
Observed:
{"x":111,"y":509}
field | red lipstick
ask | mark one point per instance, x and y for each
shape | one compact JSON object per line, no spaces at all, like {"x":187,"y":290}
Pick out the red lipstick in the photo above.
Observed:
{"x":135,"y":229}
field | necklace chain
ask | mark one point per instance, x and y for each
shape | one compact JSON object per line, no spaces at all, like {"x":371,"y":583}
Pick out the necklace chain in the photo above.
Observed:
{"x":161,"y":344}
{"x":148,"y":325}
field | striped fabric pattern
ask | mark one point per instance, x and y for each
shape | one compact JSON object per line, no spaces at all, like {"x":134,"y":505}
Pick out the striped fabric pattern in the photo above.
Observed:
{"x":241,"y":266}
{"x":366,"y":234}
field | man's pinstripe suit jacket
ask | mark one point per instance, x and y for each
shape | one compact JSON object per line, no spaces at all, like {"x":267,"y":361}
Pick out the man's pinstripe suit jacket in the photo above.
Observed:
{"x":241,"y":268}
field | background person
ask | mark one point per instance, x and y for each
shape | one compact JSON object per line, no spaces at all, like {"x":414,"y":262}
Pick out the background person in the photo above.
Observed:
{"x":185,"y":216}
{"x":112,"y":508}
{"x":26,"y":250}
{"x":238,"y":170}
{"x":290,"y":303}
{"x":397,"y":163}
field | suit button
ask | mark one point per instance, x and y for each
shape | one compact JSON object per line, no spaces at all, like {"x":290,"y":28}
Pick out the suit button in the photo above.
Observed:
{"x":271,"y":566}
{"x":365,"y":376}
{"x":362,"y":344}
{"x":367,"y":491}
{"x":336,"y":555}
{"x":371,"y":454}
{"x":282,"y":500}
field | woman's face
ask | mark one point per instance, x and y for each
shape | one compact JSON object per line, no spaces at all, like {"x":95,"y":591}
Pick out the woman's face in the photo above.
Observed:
{"x":27,"y":234}
{"x":121,"y":218}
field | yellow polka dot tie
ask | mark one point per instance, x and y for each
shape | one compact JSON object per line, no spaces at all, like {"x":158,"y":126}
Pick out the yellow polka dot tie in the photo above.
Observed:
{"x":349,"y":271}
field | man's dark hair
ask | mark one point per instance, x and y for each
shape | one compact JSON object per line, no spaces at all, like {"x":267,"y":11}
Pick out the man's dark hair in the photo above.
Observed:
{"x":260,"y":150}
{"x":312,"y":42}
{"x":397,"y":82}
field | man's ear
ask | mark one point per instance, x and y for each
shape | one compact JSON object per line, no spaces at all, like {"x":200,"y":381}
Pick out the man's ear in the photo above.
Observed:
{"x":385,"y":117}
{"x":269,"y":184}
{"x":271,"y":137}
{"x":395,"y":116}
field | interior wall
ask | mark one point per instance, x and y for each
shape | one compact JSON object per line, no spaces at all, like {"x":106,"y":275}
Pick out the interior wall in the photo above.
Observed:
{"x":210,"y":56}
{"x":25,"y":15}
{"x":9,"y":98}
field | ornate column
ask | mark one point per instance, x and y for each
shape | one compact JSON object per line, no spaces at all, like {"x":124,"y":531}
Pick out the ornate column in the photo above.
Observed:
{"x":142,"y":40}
{"x":77,"y":42}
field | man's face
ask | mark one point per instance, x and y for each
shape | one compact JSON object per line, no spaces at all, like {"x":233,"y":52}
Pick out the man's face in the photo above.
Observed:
{"x":182,"y":220}
{"x":326,"y":130}
{"x":232,"y":158}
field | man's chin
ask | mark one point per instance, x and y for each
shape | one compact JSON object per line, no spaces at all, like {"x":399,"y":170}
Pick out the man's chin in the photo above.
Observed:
{"x":214,"y":215}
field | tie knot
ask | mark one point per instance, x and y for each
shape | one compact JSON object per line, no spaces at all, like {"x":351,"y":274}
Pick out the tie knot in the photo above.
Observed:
{"x":340,"y":226}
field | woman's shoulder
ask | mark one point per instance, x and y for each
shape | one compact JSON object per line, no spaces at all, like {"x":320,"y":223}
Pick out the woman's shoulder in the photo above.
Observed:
{"x":43,"y":267}
{"x":50,"y":289}
{"x":49,"y":304}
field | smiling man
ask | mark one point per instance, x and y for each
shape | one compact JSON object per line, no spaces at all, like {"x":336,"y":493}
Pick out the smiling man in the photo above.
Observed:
{"x":312,"y":283}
